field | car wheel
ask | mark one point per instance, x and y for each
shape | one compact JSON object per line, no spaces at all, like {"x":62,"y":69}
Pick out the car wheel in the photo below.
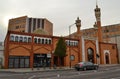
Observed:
{"x":84,"y":69}
{"x":96,"y":68}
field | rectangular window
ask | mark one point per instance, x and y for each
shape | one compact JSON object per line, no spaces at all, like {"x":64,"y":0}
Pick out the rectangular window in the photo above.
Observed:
{"x":42,"y":23}
{"x":19,"y":61}
{"x":34,"y":24}
{"x":29,"y":25}
{"x":38,"y":23}
{"x":11,"y":63}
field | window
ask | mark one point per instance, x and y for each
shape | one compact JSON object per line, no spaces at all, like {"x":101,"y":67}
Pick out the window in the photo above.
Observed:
{"x":49,"y":41}
{"x":29,"y":39}
{"x":39,"y":40}
{"x":46,"y":41}
{"x":72,"y":57}
{"x":16,"y":38}
{"x":19,"y":61}
{"x":11,"y":38}
{"x":42,"y":41}
{"x":21,"y":39}
{"x":17,"y":27}
{"x":35,"y":40}
{"x":25,"y":39}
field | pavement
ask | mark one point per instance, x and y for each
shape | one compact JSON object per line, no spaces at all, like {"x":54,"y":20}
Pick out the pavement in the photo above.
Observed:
{"x":46,"y":69}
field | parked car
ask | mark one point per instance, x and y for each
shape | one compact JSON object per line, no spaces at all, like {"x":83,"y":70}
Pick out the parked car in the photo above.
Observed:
{"x":86,"y":66}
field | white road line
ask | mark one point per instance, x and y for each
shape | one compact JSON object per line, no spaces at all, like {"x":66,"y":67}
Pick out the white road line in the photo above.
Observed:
{"x":2,"y":75}
{"x":116,"y":78}
{"x":32,"y":77}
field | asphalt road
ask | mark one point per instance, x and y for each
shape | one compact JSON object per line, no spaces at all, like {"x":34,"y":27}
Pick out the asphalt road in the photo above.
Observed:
{"x":102,"y":73}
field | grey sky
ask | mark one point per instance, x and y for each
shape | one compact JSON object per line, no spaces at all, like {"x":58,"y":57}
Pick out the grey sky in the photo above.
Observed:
{"x":61,"y":13}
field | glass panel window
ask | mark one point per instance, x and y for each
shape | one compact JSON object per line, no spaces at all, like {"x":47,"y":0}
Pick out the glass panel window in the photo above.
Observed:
{"x":16,"y":65}
{"x":19,"y":61}
{"x":22,"y":63}
{"x":26,"y":62}
{"x":11,"y":63}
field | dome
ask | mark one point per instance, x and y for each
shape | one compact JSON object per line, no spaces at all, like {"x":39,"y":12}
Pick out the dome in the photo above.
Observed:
{"x":40,"y":31}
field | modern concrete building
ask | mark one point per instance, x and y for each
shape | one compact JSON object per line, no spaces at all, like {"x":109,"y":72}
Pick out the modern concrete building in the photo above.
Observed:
{"x":31,"y":25}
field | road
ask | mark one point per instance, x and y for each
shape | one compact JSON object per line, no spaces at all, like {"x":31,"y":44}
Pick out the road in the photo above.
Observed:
{"x":112,"y":72}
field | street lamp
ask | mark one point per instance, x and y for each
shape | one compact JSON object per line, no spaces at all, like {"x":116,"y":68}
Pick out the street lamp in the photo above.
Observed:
{"x":78,"y":24}
{"x":69,"y":43}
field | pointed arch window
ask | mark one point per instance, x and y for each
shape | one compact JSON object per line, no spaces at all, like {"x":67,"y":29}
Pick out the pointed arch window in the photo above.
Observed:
{"x":90,"y":55}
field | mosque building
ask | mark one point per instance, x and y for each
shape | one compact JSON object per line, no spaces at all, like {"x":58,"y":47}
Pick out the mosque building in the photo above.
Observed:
{"x":30,"y":41}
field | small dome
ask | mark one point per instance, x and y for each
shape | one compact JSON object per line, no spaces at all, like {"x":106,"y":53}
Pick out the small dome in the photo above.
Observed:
{"x":40,"y":31}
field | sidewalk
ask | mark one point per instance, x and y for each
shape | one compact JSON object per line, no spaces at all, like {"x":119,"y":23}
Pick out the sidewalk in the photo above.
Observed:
{"x":35,"y":69}
{"x":47,"y":69}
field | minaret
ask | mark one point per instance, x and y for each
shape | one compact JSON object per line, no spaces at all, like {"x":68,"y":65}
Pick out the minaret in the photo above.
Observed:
{"x":78,"y":25}
{"x":98,"y":22}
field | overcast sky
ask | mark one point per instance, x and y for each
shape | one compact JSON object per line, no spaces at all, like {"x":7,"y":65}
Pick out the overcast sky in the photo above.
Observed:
{"x":61,"y":13}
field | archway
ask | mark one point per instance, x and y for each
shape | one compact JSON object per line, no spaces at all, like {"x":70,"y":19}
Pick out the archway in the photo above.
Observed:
{"x":107,"y":58}
{"x":90,"y":54}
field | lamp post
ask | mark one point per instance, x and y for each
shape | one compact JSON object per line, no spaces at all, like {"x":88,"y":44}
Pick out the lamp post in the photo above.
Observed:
{"x":78,"y":24}
{"x":69,"y":43}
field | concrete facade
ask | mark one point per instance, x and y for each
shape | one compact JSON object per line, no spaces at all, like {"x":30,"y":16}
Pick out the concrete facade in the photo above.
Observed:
{"x":30,"y":25}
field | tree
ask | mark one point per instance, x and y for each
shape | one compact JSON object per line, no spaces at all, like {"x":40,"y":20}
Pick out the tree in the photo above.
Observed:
{"x":60,"y":50}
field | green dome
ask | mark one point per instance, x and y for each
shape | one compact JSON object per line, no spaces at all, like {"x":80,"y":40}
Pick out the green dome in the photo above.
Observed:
{"x":40,"y":31}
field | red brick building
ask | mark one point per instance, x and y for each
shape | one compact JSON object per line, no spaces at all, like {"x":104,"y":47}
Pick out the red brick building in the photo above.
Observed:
{"x":24,"y":50}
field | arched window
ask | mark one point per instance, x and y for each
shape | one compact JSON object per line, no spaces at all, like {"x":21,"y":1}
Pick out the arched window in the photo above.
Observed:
{"x":21,"y":39}
{"x":46,"y":41}
{"x":12,"y":38}
{"x":25,"y":39}
{"x":35,"y":40}
{"x":16,"y":38}
{"x":29,"y":39}
{"x":107,"y":58}
{"x":90,"y":55}
{"x":39,"y":40}
{"x":42,"y":41}
{"x":49,"y":41}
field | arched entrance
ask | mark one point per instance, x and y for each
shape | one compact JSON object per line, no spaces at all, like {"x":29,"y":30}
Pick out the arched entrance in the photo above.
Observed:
{"x":107,"y":58}
{"x":90,"y":54}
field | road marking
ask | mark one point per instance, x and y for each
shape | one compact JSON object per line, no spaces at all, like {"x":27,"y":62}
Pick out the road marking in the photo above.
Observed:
{"x":116,"y":78}
{"x":2,"y":75}
{"x":32,"y":77}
